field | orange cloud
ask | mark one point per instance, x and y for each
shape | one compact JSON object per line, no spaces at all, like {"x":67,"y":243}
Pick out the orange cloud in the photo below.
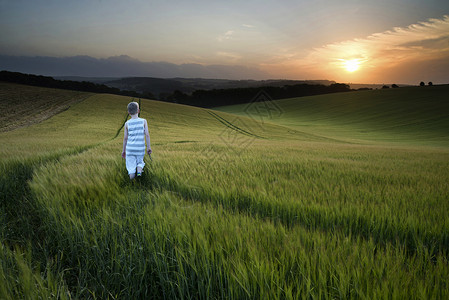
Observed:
{"x":417,"y":43}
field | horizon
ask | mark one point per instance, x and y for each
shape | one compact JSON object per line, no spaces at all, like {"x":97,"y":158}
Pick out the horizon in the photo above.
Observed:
{"x":356,"y":42}
{"x":314,"y":81}
{"x":56,"y":76}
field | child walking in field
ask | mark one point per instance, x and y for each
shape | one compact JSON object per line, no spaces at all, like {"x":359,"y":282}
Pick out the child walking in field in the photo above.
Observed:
{"x":136,"y":130}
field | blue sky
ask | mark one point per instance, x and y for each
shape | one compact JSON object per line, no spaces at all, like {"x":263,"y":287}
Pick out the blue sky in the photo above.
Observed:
{"x":307,"y":39}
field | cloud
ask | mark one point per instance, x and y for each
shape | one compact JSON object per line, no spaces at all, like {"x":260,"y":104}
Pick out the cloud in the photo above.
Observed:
{"x":393,"y":50}
{"x":419,"y":42}
{"x":248,"y":26}
{"x":226,"y":36}
{"x":229,"y":55}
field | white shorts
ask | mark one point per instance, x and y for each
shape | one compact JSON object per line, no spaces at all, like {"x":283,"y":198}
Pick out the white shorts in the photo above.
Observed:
{"x":134,"y":161}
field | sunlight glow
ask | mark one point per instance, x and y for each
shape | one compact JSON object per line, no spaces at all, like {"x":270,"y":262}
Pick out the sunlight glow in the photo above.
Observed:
{"x":351,"y":65}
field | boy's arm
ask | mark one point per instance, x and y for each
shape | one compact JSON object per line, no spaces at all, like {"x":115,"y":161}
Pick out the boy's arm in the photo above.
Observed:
{"x":147,"y":137}
{"x":125,"y":140}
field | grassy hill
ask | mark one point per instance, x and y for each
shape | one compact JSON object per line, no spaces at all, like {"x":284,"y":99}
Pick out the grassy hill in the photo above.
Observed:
{"x":22,"y":105}
{"x":229,"y":206}
{"x":417,"y":115}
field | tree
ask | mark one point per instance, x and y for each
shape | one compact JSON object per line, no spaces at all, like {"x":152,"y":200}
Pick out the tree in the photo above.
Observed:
{"x":394,"y":85}
{"x":422,"y":83}
{"x":385,"y":87}
{"x":178,"y":97}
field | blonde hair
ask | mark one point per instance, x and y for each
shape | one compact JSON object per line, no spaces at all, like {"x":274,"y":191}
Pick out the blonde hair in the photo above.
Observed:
{"x":133,"y":108}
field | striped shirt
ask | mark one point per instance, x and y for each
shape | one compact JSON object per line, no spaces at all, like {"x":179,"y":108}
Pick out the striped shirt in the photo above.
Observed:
{"x":136,"y":137}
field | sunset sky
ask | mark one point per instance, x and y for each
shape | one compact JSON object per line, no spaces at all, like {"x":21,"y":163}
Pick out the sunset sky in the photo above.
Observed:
{"x":346,"y":40}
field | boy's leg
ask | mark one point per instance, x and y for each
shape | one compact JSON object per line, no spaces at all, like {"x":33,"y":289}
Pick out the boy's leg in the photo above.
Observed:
{"x":131,"y":164}
{"x":140,"y":165}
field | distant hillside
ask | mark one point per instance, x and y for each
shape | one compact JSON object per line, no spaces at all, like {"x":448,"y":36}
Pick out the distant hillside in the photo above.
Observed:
{"x":356,"y":86}
{"x":157,"y":87}
{"x":208,"y":96}
{"x":161,"y":88}
{"x":219,"y":97}
{"x":50,"y":82}
{"x":99,"y":80}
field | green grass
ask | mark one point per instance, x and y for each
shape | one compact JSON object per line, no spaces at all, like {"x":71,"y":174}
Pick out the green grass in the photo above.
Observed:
{"x":229,"y":207}
{"x":414,"y":115}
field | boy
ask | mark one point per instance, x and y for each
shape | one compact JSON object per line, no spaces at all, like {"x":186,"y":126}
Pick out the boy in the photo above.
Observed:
{"x":136,"y":130}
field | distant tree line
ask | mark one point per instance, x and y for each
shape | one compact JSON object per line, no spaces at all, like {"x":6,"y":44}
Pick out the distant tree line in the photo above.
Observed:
{"x":50,"y":82}
{"x":201,"y":98}
{"x":220,"y":97}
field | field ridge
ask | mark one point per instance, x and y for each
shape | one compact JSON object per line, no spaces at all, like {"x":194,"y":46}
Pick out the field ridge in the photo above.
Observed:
{"x":232,"y":126}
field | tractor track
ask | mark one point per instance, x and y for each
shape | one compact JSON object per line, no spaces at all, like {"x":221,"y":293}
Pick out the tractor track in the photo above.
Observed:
{"x":232,"y":126}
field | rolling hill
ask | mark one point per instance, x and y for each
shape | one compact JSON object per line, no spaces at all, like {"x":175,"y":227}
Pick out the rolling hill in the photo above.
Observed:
{"x":23,"y":106}
{"x":417,"y":115}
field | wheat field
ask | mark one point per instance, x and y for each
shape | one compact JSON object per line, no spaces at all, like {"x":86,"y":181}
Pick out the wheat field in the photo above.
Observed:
{"x":341,"y":196}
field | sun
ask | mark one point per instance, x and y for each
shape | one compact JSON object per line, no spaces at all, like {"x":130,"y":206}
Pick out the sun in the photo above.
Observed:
{"x":351,"y":65}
